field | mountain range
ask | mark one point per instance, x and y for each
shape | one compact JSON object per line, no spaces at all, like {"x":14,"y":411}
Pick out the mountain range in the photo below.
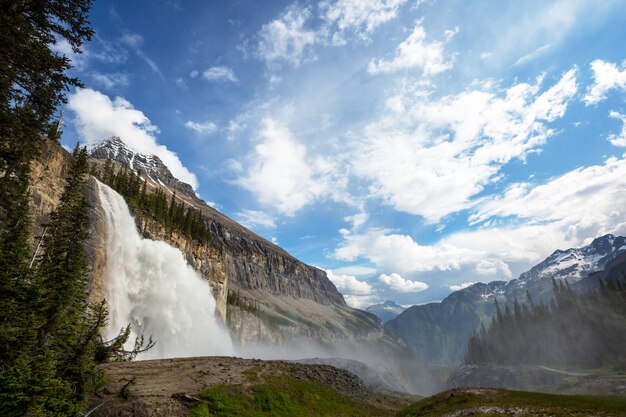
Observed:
{"x":438,"y":332}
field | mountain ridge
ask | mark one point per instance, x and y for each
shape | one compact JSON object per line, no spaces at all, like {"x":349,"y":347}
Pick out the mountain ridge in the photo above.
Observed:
{"x":438,"y":332}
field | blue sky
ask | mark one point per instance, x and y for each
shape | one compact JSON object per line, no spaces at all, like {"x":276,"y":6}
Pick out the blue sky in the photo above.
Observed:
{"x":409,"y":147}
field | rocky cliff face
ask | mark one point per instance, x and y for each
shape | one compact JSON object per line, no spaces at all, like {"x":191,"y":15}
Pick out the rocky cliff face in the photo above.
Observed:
{"x":263,"y":293}
{"x":265,"y":296}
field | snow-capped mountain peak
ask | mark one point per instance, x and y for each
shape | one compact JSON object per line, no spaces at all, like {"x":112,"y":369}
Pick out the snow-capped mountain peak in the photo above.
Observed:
{"x":149,"y":166}
{"x":576,"y":263}
{"x":385,"y":310}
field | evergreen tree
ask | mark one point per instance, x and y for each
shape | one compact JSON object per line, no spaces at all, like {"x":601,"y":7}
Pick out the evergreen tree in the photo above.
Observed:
{"x":577,"y":329}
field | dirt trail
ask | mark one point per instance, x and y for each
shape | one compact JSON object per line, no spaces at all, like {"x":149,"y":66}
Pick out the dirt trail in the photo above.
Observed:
{"x":165,"y":387}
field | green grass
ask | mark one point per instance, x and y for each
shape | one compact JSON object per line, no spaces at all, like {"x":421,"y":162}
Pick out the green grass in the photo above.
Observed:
{"x":277,"y":397}
{"x":532,"y":404}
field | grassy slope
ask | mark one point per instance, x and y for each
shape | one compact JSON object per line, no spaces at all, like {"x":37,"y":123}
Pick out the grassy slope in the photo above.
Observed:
{"x":495,"y":402}
{"x":286,"y":396}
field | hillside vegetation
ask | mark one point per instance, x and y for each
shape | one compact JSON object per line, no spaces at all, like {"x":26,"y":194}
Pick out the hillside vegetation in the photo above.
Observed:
{"x":493,"y":402}
{"x":586,"y":330}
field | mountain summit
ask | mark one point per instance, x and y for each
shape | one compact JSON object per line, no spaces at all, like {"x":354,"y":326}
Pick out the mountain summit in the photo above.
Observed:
{"x":386,"y":310}
{"x":571,"y":264}
{"x":149,"y":166}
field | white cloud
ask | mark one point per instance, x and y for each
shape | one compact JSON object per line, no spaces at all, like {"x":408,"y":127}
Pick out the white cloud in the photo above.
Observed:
{"x":357,"y":220}
{"x":286,"y":38}
{"x":565,"y":212}
{"x":430,"y":157}
{"x":533,"y":55}
{"x":606,"y":76}
{"x":537,"y":24}
{"x":619,"y":139}
{"x":360,"y":17}
{"x":349,"y":284}
{"x":389,"y":250}
{"x":110,"y":80}
{"x":253,"y":219}
{"x":361,"y":301}
{"x":461,"y":286}
{"x":464,"y":252}
{"x":397,"y":283}
{"x":355,"y":270}
{"x":582,"y":203}
{"x":494,"y":267}
{"x":134,"y":40}
{"x":219,"y":74}
{"x":153,"y":65}
{"x":416,"y":52}
{"x":282,"y":174}
{"x":97,"y":117}
{"x":205,"y":128}
{"x":97,"y":50}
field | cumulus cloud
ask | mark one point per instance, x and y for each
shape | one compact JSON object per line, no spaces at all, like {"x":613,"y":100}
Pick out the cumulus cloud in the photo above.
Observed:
{"x":282,"y":174}
{"x":584,"y":202}
{"x":253,"y":219}
{"x":359,"y":17}
{"x":205,"y":128}
{"x":564,"y":212}
{"x":286,"y":38}
{"x":430,"y":157}
{"x":397,"y":283}
{"x":97,"y":117}
{"x":461,"y":286}
{"x":349,"y":284}
{"x":465,"y":252}
{"x":361,"y":301}
{"x":494,"y":267}
{"x":606,"y":77}
{"x":416,"y":52}
{"x":391,"y":250}
{"x":619,"y":139}
{"x":219,"y":74}
{"x":357,"y":220}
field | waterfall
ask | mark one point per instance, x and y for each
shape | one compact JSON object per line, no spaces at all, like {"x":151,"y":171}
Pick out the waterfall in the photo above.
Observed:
{"x":150,"y":285}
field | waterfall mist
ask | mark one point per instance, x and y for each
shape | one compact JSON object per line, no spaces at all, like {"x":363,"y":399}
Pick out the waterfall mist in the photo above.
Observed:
{"x":150,"y":285}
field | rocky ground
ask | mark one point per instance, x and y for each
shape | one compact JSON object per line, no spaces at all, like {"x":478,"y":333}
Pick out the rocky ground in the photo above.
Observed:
{"x":169,"y":387}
